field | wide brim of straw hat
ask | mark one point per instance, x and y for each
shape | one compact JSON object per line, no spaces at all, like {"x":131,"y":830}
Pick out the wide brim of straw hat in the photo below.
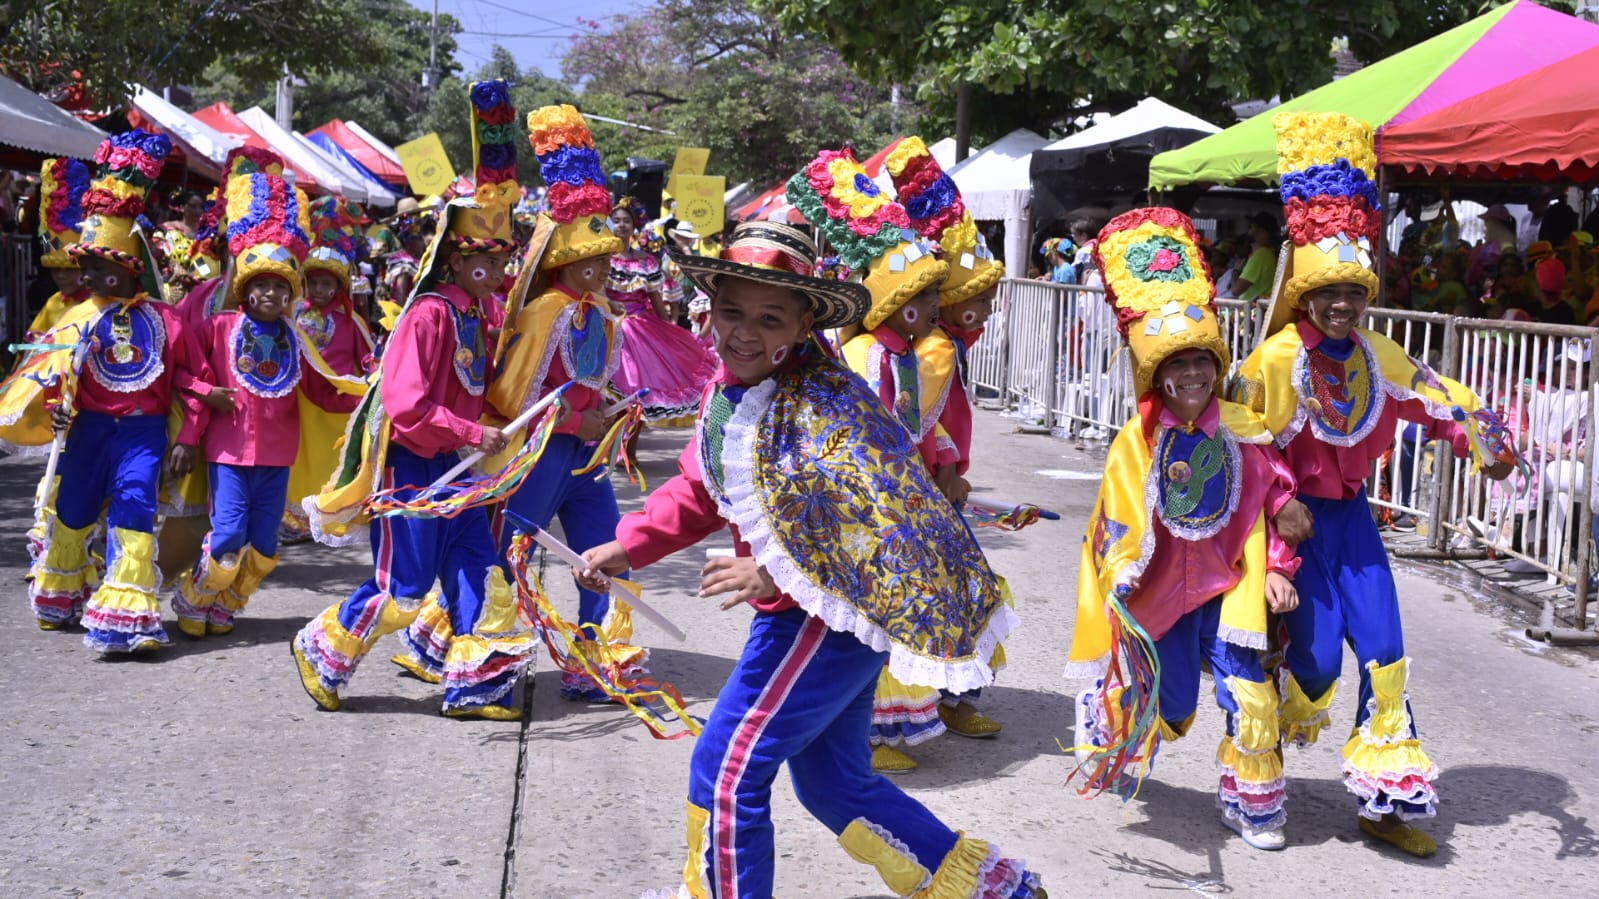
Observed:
{"x":836,"y":304}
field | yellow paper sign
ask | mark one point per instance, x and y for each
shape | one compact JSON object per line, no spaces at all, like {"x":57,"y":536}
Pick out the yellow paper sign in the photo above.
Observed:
{"x":699,"y":202}
{"x":426,"y":165}
{"x":689,"y":161}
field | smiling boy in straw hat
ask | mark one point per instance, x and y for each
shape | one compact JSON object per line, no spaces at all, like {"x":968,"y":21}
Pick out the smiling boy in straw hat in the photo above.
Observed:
{"x":810,"y":471}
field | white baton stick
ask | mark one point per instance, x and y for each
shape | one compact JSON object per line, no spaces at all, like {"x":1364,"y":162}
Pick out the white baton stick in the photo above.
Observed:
{"x":621,"y":405}
{"x":517,"y":424}
{"x":569,"y":555}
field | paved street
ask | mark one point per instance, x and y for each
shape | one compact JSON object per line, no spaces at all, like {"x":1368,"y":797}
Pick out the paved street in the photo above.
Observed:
{"x":207,"y":771}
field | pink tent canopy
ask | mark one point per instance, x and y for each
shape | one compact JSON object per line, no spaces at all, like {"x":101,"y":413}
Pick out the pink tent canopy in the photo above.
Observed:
{"x":222,"y":117}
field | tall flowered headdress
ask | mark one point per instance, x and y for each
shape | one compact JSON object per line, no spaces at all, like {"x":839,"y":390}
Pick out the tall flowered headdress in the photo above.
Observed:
{"x":268,"y":223}
{"x":1325,"y":160}
{"x":62,"y":185}
{"x":333,"y":231}
{"x":934,"y":206}
{"x":1159,"y":283}
{"x":869,"y":232}
{"x":482,"y":222}
{"x":579,"y":202}
{"x":128,"y":165}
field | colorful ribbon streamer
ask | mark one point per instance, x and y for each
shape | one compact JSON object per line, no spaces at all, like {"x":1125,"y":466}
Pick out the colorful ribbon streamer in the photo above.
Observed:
{"x":1012,"y":519}
{"x":575,"y":653}
{"x":1121,"y":765}
{"x":455,"y":497}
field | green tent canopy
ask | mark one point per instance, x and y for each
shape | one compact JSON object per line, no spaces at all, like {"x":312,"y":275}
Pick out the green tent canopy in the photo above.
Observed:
{"x":1498,"y":46}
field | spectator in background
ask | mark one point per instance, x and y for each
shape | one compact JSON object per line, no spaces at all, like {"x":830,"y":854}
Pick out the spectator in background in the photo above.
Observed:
{"x":1449,"y":289}
{"x":1261,"y":267}
{"x":1550,"y":282}
{"x":1500,"y":226}
{"x":1559,"y":220}
{"x":1059,"y":254}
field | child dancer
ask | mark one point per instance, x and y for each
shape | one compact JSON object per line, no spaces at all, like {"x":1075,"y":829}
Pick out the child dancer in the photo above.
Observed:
{"x":429,"y":397}
{"x":903,"y":274}
{"x":1181,"y":536}
{"x":137,"y":359}
{"x":262,"y":364}
{"x":1332,"y":393}
{"x":843,"y":549}
{"x":563,"y":334}
{"x":965,"y":299}
{"x":61,"y":188}
{"x":341,"y":338}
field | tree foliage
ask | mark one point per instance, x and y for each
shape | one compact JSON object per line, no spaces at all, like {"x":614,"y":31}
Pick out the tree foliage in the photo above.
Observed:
{"x":718,"y":74}
{"x":1050,"y":60}
{"x":382,"y":92}
{"x":101,"y":47}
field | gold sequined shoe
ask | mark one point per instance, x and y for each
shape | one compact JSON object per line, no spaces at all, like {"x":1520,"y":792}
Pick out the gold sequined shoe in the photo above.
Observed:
{"x":966,"y":721}
{"x":192,"y":627}
{"x":312,"y":683}
{"x":414,"y":668}
{"x":888,"y":760}
{"x":489,"y":712}
{"x":50,"y":625}
{"x":1401,"y":836}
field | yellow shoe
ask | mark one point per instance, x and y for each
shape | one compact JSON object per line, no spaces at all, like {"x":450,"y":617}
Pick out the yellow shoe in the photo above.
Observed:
{"x":312,"y":683}
{"x":144,"y":645}
{"x":966,"y":721}
{"x":50,"y":625}
{"x":490,"y":712}
{"x":192,"y":627}
{"x":218,"y":628}
{"x":888,"y":760}
{"x":1402,"y":836}
{"x":414,"y":668}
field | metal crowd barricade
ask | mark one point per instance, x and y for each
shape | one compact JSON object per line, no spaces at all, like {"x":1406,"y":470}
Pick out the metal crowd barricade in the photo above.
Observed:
{"x":16,"y":275}
{"x":1058,"y":362}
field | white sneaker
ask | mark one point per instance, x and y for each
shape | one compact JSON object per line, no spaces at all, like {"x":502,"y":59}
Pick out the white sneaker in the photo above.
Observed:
{"x":1269,"y":840}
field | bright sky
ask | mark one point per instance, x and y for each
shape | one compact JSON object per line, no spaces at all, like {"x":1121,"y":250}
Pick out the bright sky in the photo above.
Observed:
{"x":535,"y":31}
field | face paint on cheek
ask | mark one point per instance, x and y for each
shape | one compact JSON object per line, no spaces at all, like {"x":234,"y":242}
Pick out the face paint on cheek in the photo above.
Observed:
{"x":968,"y":317}
{"x":910,"y":315}
{"x":480,"y":274}
{"x":779,"y":355}
{"x":588,"y":274}
{"x":112,"y":280}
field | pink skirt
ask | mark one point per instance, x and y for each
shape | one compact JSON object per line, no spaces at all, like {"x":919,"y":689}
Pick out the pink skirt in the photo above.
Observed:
{"x":670,"y":361}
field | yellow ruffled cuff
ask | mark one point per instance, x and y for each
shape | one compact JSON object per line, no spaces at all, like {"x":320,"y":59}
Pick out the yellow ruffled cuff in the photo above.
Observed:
{"x":1255,"y":726}
{"x":891,"y":691}
{"x":134,"y":567}
{"x":253,"y":569}
{"x":899,"y":869}
{"x":469,"y":651}
{"x":1389,"y":719}
{"x":695,"y":879}
{"x":64,"y":567}
{"x":1387,"y":761}
{"x":957,"y":877}
{"x":1249,"y":767}
{"x":1300,"y":717}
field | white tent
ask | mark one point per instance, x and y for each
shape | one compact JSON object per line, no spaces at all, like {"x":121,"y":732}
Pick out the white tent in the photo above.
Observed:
{"x":33,"y":123}
{"x":376,"y":194}
{"x":996,"y":185}
{"x":1148,"y":115}
{"x":295,"y":153}
{"x":206,"y":147}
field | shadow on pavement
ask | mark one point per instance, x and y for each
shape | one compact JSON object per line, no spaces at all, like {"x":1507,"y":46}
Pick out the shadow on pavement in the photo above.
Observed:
{"x":1032,"y":719}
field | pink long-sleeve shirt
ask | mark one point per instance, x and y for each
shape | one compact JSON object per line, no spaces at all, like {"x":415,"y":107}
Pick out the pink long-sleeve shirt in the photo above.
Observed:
{"x":429,"y":409}
{"x":1183,"y":575}
{"x":1336,"y":472}
{"x":260,"y":431}
{"x":956,"y":419}
{"x":347,"y":349}
{"x":183,"y":366}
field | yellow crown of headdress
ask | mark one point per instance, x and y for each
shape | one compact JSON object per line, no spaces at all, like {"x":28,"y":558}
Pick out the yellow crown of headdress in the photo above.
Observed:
{"x":579,"y":202}
{"x":1159,"y":283}
{"x":268,"y":224}
{"x":1325,"y":160}
{"x":938,"y":213}
{"x":129,"y":164}
{"x":870,"y":232}
{"x":63,"y":183}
